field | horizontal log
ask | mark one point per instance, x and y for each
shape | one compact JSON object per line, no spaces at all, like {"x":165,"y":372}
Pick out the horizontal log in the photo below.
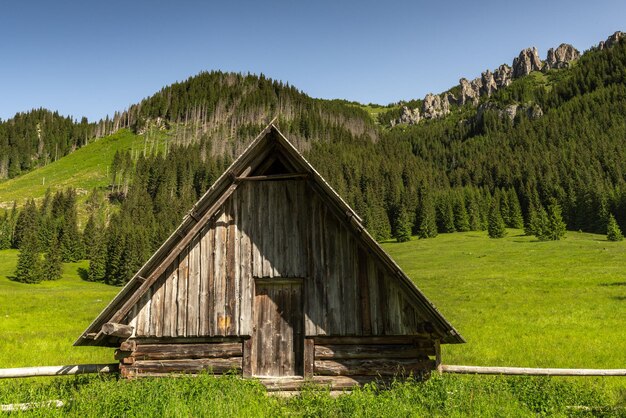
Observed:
{"x":58,"y":370}
{"x":529,"y":371}
{"x":128,"y":345}
{"x":331,"y":382}
{"x":117,"y":330}
{"x":188,"y":340}
{"x":372,"y":367}
{"x":216,"y":365}
{"x":187,"y":351}
{"x":56,"y":403}
{"x":393,"y":339}
{"x":345,"y":351}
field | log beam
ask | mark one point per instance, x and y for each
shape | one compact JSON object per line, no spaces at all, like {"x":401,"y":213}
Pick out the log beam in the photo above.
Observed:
{"x":117,"y":330}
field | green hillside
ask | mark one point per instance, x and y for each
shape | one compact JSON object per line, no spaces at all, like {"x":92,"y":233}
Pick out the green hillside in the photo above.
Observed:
{"x":84,"y":169}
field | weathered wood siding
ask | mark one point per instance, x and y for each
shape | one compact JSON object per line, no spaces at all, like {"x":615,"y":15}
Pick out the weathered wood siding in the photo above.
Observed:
{"x":274,"y":229}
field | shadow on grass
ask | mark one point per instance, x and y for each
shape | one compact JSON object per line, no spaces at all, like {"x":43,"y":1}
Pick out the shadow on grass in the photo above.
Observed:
{"x":619,"y":298}
{"x":83,"y":273}
{"x":613,"y":284}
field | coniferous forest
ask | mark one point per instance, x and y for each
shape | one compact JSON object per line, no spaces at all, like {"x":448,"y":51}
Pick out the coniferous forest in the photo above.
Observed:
{"x":475,"y":169}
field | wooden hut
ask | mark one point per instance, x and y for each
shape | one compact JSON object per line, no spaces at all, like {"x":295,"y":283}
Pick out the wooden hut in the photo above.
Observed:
{"x":272,"y":274}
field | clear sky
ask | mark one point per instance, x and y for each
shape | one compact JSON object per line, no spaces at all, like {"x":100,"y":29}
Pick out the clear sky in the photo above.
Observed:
{"x":91,"y":58}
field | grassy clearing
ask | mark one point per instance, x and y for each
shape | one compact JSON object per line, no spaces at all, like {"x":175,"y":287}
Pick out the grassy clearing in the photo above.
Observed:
{"x":521,"y":302}
{"x":39,"y":323}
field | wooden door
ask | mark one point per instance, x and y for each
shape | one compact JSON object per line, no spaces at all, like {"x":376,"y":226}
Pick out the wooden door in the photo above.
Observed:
{"x":278,"y":337}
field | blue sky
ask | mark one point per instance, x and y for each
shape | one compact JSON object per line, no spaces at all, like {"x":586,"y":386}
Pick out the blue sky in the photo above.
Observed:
{"x":91,"y":58}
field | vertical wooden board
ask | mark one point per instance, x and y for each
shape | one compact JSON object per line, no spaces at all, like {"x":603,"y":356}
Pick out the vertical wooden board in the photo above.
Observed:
{"x":156,"y":307}
{"x":245,"y":257}
{"x":206,"y":268}
{"x":332,"y":280}
{"x":143,"y":319}
{"x":306,"y":226}
{"x":352,"y":317}
{"x":230,"y":307}
{"x":267,"y":230}
{"x":298,"y":330}
{"x":309,"y":358}
{"x":323,"y":270}
{"x":169,"y":301}
{"x":183,"y":278}
{"x":210,"y":276}
{"x":247,"y":358}
{"x":376,"y":315}
{"x":255,"y":230}
{"x":219,"y":263}
{"x":193,"y":287}
{"x":382,"y":302}
{"x":393,"y":303}
{"x":364,"y":292}
{"x":132,"y":319}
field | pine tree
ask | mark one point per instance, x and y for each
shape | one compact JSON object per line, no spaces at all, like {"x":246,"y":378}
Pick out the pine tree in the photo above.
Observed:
{"x":613,"y":232}
{"x":556,"y":226}
{"x":97,"y":259}
{"x":28,"y":268}
{"x":461,"y":218}
{"x":445,"y":214}
{"x":426,"y":217}
{"x":516,"y":220}
{"x":403,"y":227}
{"x":27,"y":223}
{"x":52,"y":267}
{"x":496,"y":228}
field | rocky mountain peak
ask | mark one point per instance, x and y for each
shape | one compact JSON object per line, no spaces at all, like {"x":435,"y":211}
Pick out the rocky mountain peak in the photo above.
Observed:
{"x":611,"y":40}
{"x":526,"y":62}
{"x":561,"y":56}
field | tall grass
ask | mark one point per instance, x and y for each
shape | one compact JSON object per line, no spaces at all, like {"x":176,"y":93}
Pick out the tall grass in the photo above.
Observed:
{"x":230,"y":396}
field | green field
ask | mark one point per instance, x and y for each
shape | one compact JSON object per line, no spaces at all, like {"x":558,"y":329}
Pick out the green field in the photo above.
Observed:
{"x":517,"y":301}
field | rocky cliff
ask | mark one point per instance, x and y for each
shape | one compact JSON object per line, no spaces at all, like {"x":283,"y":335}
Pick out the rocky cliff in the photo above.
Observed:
{"x":471,"y":91}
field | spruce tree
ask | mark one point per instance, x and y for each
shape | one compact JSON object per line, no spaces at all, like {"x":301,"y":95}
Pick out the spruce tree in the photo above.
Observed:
{"x":556,"y":226}
{"x":28,"y":268}
{"x":516,"y":220}
{"x":27,"y":223}
{"x":403,"y":227}
{"x":52,"y":267}
{"x":496,"y":228}
{"x":613,"y":232}
{"x":461,"y":218}
{"x":426,"y":217}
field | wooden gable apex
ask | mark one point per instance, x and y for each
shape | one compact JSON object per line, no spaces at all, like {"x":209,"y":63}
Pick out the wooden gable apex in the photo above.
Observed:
{"x":270,"y":155}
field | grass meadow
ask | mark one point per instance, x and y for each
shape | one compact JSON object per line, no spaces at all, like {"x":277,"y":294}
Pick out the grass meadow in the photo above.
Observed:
{"x":517,"y":302}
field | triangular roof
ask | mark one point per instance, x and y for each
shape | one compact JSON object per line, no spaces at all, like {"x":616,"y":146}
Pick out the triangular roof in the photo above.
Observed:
{"x":268,"y":147}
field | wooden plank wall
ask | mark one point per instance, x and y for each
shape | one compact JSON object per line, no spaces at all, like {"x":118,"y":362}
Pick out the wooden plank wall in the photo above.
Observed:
{"x":274,"y":229}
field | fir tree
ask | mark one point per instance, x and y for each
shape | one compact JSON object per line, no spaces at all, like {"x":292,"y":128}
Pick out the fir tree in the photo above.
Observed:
{"x":496,"y":228}
{"x":426,"y":217}
{"x":613,"y":232}
{"x":403,"y":227}
{"x":28,"y":268}
{"x":556,"y":226}
{"x":516,"y":220}
{"x":461,"y":218}
{"x":27,"y":224}
{"x":51,"y":267}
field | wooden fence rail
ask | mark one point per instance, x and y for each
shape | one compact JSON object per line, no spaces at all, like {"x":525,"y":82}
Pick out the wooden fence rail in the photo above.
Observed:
{"x":529,"y":371}
{"x":443,"y":368}
{"x":58,"y":370}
